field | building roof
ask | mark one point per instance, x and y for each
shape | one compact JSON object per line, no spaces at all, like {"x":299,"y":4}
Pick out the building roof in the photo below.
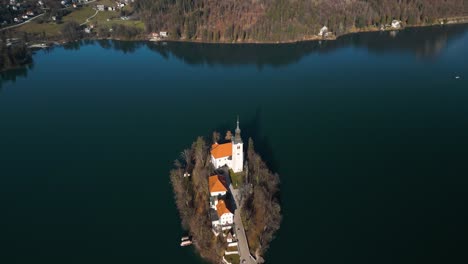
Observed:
{"x":213,"y":215}
{"x":221,"y":150}
{"x":221,"y":208}
{"x":217,"y":184}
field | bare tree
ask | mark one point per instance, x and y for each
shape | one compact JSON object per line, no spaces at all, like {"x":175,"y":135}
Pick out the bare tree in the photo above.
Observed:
{"x":228,"y":135}
{"x":187,"y":157}
{"x":216,"y":137}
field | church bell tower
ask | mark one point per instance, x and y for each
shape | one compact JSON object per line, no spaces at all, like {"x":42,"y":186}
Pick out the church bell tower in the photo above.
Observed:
{"x":237,"y":150}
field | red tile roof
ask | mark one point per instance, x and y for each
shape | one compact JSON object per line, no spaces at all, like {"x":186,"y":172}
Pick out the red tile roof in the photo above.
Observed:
{"x":221,"y":150}
{"x":221,"y":208}
{"x":216,"y":184}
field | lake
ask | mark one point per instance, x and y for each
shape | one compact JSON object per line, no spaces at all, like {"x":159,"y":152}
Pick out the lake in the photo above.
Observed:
{"x":369,"y":134}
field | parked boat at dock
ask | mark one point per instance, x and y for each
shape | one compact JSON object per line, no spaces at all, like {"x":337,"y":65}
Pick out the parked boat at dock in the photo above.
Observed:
{"x":186,"y":243}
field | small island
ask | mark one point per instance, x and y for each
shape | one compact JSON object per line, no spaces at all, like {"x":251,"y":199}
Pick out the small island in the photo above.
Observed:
{"x":228,"y":201}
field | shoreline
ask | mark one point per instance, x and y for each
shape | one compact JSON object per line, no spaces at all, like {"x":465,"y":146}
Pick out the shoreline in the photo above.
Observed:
{"x":447,"y":22}
{"x":57,"y":43}
{"x":464,"y":20}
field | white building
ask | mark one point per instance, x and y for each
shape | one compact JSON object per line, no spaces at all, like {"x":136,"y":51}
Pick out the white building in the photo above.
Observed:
{"x":221,"y":216}
{"x":217,"y":186}
{"x":229,"y":154}
{"x":396,"y":24}
{"x":323,"y":31}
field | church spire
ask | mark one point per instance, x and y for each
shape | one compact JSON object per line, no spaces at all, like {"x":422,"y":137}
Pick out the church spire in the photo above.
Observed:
{"x":237,"y":137}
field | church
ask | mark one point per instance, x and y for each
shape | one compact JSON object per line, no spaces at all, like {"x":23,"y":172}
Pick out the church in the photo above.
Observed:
{"x":229,"y":154}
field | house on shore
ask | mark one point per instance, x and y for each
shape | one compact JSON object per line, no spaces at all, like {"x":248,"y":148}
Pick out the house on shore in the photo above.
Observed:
{"x":323,"y":31}
{"x":396,"y":24}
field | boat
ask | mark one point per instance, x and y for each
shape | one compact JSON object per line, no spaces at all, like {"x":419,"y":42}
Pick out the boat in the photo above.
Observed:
{"x":185,"y":238}
{"x":186,"y":243}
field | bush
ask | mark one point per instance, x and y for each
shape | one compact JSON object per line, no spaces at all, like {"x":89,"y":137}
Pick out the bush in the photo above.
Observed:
{"x":71,"y":31}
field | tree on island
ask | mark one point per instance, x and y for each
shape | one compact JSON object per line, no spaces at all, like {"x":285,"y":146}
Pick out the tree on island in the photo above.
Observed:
{"x":192,"y":197}
{"x":228,"y":136}
{"x":261,"y":209}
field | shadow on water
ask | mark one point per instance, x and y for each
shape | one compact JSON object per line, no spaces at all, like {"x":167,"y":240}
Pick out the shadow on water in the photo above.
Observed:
{"x":425,"y":43}
{"x":14,"y":74}
{"x":252,"y":128}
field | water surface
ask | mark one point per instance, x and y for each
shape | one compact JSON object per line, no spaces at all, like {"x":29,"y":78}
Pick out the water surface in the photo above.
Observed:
{"x":369,"y":135}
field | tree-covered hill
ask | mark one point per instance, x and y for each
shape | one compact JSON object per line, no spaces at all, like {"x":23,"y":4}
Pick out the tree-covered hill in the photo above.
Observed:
{"x":283,"y":20}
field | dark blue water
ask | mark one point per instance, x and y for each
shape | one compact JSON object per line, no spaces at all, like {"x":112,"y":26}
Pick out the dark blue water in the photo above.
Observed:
{"x":369,"y":135}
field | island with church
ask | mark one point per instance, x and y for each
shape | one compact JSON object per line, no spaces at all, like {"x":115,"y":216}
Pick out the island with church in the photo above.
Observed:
{"x":227,"y":198}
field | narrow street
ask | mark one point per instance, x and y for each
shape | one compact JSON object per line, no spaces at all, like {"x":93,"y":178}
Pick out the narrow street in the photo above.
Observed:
{"x":20,"y":24}
{"x":244,"y":252}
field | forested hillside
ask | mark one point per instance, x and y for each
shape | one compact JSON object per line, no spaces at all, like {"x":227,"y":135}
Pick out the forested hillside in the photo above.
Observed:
{"x":283,"y":20}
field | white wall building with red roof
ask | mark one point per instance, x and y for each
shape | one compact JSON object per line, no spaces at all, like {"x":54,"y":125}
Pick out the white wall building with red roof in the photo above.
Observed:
{"x":229,"y":154}
{"x":221,"y":215}
{"x":217,"y":185}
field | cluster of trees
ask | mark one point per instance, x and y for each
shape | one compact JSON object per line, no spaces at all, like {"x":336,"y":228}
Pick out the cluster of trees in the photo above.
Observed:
{"x":13,"y":56}
{"x":192,"y":199}
{"x":51,"y":7}
{"x":280,"y":20}
{"x":72,"y":31}
{"x":261,"y":209}
{"x":119,"y":31}
{"x":7,"y":13}
{"x":125,"y":32}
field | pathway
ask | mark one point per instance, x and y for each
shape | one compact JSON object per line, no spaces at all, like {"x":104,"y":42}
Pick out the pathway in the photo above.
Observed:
{"x":244,"y":251}
{"x":20,"y":24}
{"x":242,"y":243}
{"x":32,"y":18}
{"x":91,"y":17}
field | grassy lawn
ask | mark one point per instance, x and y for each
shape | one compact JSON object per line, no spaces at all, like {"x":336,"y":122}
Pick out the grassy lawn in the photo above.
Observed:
{"x":104,"y":2}
{"x":79,"y":15}
{"x":236,"y":178}
{"x":114,"y":18}
{"x":50,"y":29}
{"x":128,"y":23}
{"x":234,"y":259}
{"x":104,"y":15}
{"x":234,"y":248}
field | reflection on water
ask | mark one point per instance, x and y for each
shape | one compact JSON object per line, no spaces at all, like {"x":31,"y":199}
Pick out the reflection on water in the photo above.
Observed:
{"x":424,"y":43}
{"x":12,"y":75}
